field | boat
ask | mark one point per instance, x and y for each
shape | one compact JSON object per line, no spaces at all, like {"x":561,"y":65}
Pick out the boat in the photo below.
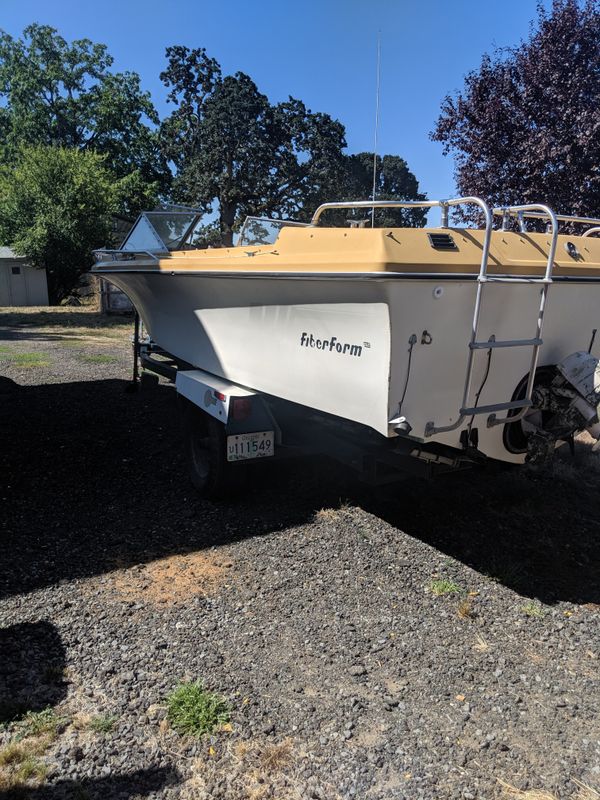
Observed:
{"x":478,"y":341}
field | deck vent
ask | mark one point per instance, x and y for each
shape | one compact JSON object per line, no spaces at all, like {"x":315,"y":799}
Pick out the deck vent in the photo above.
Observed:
{"x":442,"y":241}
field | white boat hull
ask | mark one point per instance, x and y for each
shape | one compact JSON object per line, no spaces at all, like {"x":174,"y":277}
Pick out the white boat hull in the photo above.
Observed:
{"x":340,"y":344}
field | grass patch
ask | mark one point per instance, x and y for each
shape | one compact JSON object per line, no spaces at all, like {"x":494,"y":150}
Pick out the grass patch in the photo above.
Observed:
{"x":99,"y":358}
{"x":31,"y":769}
{"x":4,"y":348}
{"x":275,"y":757}
{"x":13,"y":753}
{"x":326,"y":515}
{"x":30,"y":360}
{"x":103,"y":723}
{"x":69,"y":322}
{"x":193,"y":710}
{"x":443,"y":586}
{"x":533,"y":610}
{"x":331,"y":514}
{"x":40,"y":723}
{"x":255,"y":770}
{"x":19,"y":765}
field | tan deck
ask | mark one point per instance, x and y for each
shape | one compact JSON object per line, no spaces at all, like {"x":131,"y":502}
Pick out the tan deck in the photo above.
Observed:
{"x":399,"y":250}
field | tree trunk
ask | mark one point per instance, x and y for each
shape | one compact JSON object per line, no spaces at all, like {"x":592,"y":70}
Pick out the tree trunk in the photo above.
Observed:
{"x":226,"y":222}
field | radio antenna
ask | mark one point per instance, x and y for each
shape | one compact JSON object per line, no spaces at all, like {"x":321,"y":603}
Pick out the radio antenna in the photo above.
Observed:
{"x":375,"y":143}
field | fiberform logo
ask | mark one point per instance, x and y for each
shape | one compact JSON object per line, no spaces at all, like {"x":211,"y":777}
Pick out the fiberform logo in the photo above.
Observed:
{"x":332,"y":345}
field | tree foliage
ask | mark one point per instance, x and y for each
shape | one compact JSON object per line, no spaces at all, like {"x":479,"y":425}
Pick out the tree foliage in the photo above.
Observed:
{"x":394,"y":181}
{"x":526,"y":127}
{"x":235,"y":151}
{"x":56,"y":206}
{"x":57,"y":93}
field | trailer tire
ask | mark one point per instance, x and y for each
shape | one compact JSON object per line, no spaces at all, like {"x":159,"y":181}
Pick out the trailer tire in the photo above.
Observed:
{"x":210,"y":472}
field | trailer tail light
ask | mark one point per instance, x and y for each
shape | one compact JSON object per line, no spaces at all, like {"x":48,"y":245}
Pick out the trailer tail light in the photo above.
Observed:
{"x":242,"y":408}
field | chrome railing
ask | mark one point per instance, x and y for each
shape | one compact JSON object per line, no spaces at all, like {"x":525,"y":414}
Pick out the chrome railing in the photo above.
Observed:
{"x":522,"y":212}
{"x":591,"y":232}
{"x":126,"y":255}
{"x":444,"y":205}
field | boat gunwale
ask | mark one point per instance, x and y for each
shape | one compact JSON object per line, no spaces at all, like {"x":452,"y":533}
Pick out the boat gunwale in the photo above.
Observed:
{"x":355,"y":275}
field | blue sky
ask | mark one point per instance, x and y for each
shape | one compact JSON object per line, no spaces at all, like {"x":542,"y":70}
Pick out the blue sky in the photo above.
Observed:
{"x":321,"y":52}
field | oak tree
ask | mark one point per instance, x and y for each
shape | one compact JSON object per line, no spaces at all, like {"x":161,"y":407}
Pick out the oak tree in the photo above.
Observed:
{"x":393,"y":181}
{"x":53,"y":92}
{"x":235,"y":153}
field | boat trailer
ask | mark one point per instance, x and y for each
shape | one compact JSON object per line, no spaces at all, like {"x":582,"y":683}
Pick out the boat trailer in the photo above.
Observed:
{"x":229,"y":428}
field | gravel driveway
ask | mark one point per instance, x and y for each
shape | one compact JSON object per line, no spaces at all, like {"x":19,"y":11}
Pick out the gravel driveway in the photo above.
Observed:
{"x":434,"y":640}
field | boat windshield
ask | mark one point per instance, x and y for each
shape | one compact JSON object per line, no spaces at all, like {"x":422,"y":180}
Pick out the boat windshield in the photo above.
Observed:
{"x":261,"y":230}
{"x":160,"y":231}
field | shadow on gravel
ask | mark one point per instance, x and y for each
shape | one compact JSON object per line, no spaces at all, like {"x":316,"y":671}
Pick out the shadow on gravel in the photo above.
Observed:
{"x":32,"y":663}
{"x":134,"y":784}
{"x":92,"y":478}
{"x":536,"y":532}
{"x":22,"y":319}
{"x":23,"y":335}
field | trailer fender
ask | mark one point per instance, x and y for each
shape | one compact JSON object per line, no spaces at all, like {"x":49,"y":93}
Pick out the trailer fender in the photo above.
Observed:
{"x":240,"y":410}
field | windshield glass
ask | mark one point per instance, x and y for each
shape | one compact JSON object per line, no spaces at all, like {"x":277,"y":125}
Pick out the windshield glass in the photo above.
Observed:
{"x":260,"y":230}
{"x":159,"y":231}
{"x":171,"y":227}
{"x":143,"y":237}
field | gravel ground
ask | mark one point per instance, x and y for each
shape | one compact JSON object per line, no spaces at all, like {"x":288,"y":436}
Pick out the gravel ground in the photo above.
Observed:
{"x":308,"y":603}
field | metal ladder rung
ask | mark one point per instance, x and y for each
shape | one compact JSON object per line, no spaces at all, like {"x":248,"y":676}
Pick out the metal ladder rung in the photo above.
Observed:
{"x":471,"y":412}
{"x":506,"y":343}
{"x":516,"y":279}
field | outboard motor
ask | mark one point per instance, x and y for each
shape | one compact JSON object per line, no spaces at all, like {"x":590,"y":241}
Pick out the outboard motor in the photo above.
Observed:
{"x":566,"y":401}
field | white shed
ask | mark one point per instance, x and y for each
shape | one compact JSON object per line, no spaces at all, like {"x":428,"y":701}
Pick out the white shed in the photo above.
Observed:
{"x":20,"y":283}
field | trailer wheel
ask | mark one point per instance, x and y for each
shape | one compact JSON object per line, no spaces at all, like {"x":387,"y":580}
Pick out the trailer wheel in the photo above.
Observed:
{"x":210,"y":472}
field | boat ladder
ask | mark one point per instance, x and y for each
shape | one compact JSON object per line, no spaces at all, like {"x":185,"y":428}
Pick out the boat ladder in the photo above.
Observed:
{"x":483,"y":278}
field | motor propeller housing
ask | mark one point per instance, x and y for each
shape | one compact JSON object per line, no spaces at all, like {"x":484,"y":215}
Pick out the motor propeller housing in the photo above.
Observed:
{"x":566,"y":401}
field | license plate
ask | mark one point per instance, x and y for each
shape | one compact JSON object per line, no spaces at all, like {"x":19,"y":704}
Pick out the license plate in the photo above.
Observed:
{"x":250,"y":445}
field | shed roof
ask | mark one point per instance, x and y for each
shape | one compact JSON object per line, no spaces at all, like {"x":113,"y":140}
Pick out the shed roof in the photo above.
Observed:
{"x":7,"y":252}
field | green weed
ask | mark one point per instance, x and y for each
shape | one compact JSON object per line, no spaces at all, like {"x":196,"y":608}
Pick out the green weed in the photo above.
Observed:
{"x":533,"y":610}
{"x":39,"y":723}
{"x":444,"y":586}
{"x":193,"y":710}
{"x":103,"y":724}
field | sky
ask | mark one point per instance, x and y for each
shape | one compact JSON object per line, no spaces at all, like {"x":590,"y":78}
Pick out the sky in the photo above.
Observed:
{"x":323,"y":52}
